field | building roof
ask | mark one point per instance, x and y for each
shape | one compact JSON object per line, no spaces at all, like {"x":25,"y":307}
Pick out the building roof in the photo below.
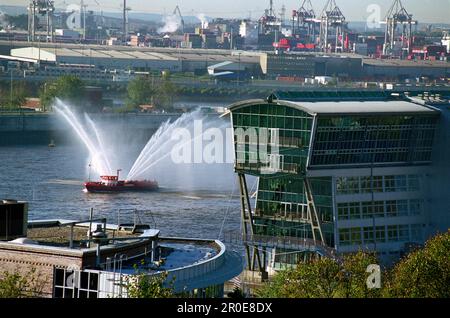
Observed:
{"x":127,"y":53}
{"x":358,"y":107}
{"x":405,"y":63}
{"x":332,"y":95}
{"x":348,"y":107}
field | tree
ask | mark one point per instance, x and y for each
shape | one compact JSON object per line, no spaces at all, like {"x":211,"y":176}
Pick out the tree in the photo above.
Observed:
{"x":140,"y":91}
{"x":157,"y":92}
{"x":143,"y":285}
{"x":68,"y":88}
{"x":323,"y":278}
{"x":424,"y":273}
{"x":315,"y":279}
{"x":237,"y":293}
{"x":354,"y":279}
{"x":15,"y":285}
{"x":16,"y":99}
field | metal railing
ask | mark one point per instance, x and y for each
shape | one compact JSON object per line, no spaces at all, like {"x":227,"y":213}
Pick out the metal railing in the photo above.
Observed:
{"x":285,"y":242}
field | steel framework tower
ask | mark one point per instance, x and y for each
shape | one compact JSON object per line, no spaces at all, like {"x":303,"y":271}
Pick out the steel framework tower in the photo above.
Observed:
{"x":305,"y":19}
{"x":332,"y":18}
{"x":269,"y":22}
{"x":397,"y":15}
{"x":44,"y":8}
{"x":177,"y":11}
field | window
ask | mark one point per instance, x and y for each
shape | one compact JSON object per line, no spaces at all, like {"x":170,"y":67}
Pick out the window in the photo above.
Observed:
{"x":367,"y":210}
{"x":415,"y":207}
{"x":343,"y":211}
{"x":347,"y":185}
{"x":355,"y":236}
{"x":403,"y":233}
{"x":366,"y":185}
{"x":414,"y":183}
{"x":401,"y":184}
{"x":354,"y":210}
{"x":392,"y":232}
{"x":344,"y":236}
{"x":391,"y":208}
{"x":377,"y":184}
{"x":402,"y":208}
{"x":380,"y":234}
{"x":416,"y":232}
{"x":378,"y":209}
{"x":75,"y":284}
{"x":369,"y":235}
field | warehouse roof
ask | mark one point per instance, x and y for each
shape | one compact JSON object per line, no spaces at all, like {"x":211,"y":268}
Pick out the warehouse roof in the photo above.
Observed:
{"x":405,"y":63}
{"x":214,"y":56}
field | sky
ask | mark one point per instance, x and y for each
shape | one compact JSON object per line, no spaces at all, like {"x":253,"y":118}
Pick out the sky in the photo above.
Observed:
{"x":431,"y":11}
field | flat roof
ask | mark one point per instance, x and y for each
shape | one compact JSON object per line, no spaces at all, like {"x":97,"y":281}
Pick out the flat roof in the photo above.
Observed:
{"x":359,"y":107}
{"x":391,"y":107}
{"x":405,"y":63}
{"x":154,"y":54}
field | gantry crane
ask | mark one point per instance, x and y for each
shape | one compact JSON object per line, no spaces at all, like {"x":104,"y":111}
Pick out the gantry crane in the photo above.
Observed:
{"x":332,"y":18}
{"x":304,"y":19}
{"x":269,"y":22}
{"x":398,"y":15}
{"x":43,"y":8}
{"x":177,"y":11}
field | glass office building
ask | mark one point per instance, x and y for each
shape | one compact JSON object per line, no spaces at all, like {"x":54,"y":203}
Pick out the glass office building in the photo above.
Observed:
{"x":333,"y":176}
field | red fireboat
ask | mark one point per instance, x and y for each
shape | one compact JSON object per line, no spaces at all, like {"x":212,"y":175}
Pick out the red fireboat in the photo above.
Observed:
{"x":113,"y":184}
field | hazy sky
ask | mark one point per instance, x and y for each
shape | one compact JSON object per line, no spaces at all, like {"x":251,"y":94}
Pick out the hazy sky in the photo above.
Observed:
{"x":356,"y":10}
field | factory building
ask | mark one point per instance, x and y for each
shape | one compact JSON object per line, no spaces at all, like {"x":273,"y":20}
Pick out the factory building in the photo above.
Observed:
{"x":345,"y":66}
{"x":311,"y":65}
{"x":338,"y":175}
{"x":401,"y":69}
{"x":102,"y":58}
{"x":136,"y":59}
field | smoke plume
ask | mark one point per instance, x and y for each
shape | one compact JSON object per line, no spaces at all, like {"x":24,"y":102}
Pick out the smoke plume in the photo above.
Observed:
{"x":171,"y":24}
{"x":203,"y":20}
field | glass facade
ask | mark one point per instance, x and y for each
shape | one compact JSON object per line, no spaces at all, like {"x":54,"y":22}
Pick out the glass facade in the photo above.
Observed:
{"x":380,"y":209}
{"x":261,"y":132}
{"x":357,"y":236}
{"x":347,"y":140}
{"x":271,"y":139}
{"x":281,"y":207}
{"x":379,"y":184}
{"x":281,"y":144}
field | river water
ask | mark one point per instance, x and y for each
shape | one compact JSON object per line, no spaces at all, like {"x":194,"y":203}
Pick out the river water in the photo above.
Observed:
{"x":50,"y":179}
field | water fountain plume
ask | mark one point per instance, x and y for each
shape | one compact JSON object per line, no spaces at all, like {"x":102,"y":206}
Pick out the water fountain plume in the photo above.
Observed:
{"x":153,"y":161}
{"x":99,"y":162}
{"x":142,"y":160}
{"x":100,"y":141}
{"x":158,"y":142}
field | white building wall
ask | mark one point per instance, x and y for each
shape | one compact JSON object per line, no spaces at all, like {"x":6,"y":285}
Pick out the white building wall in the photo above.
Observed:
{"x":388,"y":249}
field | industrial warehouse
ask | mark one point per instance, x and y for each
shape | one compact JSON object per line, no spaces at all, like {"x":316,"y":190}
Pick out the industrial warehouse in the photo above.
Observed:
{"x":94,"y":62}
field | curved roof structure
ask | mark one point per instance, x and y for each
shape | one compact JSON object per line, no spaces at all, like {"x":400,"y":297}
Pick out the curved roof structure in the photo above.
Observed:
{"x":348,"y":107}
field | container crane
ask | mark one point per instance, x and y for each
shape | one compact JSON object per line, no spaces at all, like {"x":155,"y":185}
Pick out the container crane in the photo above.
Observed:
{"x":332,"y":18}
{"x":304,"y":19}
{"x":398,"y":15}
{"x":177,"y":12}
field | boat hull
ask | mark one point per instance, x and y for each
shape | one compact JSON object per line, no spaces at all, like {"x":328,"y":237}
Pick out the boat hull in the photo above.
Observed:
{"x":122,"y":186}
